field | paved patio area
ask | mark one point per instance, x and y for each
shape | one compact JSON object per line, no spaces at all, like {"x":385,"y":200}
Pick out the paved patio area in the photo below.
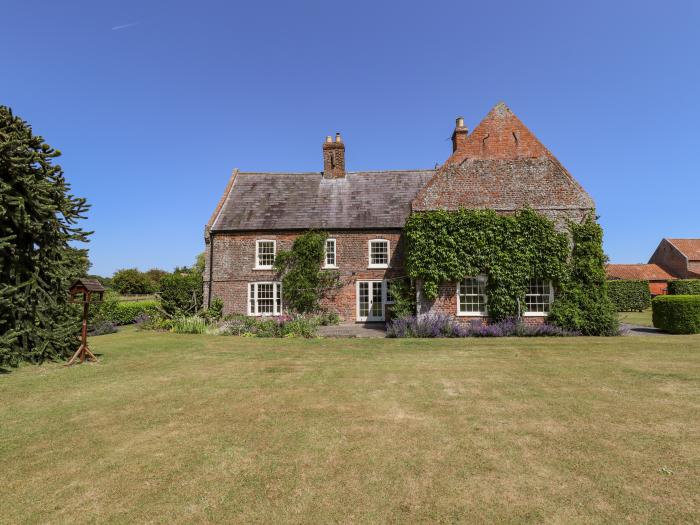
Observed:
{"x":353,"y":330}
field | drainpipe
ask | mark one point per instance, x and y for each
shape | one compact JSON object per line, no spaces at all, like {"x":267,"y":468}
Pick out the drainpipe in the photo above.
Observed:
{"x":211,"y":267}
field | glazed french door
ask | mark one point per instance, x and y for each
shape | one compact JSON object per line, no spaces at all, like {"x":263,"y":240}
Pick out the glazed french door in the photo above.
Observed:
{"x":371,"y":296}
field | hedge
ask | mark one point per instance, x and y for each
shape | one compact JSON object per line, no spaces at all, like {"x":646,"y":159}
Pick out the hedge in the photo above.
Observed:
{"x":121,"y":313}
{"x":629,"y":296}
{"x":684,"y":287}
{"x":677,"y":314}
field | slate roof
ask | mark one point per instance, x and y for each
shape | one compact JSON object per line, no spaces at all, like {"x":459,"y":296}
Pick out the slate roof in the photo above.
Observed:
{"x":281,"y":201}
{"x":688,"y":247}
{"x":502,"y":166}
{"x":645,"y":272}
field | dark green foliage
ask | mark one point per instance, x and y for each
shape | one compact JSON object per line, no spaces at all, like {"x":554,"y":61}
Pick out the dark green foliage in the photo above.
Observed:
{"x":629,"y":296}
{"x":684,"y":287}
{"x":677,"y":314}
{"x":403,"y":293}
{"x":583,"y":304}
{"x":181,"y":293}
{"x":132,"y":281}
{"x":38,"y":260}
{"x":303,"y":281}
{"x":446,"y":246}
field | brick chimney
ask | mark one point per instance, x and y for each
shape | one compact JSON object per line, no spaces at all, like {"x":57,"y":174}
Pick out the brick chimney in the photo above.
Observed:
{"x":459,"y":135}
{"x":333,"y":158}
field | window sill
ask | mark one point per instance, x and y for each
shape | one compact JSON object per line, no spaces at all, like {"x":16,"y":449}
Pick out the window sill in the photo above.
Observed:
{"x":378,"y":267}
{"x":263,"y":268}
{"x":536,"y":314}
{"x":330,"y":267}
{"x":472,"y":314}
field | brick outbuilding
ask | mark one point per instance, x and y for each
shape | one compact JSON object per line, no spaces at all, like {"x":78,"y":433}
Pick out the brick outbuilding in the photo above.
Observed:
{"x":658,"y":277}
{"x":501,"y":165}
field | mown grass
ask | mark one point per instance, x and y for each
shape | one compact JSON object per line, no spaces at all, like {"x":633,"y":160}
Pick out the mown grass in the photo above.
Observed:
{"x":170,"y":428}
{"x":636,"y":318}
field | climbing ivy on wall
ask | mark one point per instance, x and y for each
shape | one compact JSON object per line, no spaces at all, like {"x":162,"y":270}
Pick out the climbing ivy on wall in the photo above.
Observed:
{"x":447,"y":246}
{"x":304,"y":283}
{"x":583,"y":302}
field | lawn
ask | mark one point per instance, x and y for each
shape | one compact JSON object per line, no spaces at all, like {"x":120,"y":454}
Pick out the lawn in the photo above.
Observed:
{"x":173,"y":428}
{"x":636,"y":318}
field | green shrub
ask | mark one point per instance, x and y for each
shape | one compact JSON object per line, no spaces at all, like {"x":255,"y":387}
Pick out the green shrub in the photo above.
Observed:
{"x":328,"y":318}
{"x":189,"y":325}
{"x":215,"y":311}
{"x":684,"y":287}
{"x":132,"y":281}
{"x":122,"y":313}
{"x":677,"y":314}
{"x":629,"y":296}
{"x":403,"y":294}
{"x":181,"y":293}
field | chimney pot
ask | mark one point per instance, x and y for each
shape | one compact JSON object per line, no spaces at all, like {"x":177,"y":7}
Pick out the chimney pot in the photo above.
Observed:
{"x":459,"y":136}
{"x":334,"y":158}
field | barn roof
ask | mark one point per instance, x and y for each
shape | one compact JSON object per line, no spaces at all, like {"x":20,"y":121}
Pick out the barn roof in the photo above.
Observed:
{"x":632,"y":272}
{"x":688,"y":247}
{"x":282,"y":201}
{"x":501,"y":165}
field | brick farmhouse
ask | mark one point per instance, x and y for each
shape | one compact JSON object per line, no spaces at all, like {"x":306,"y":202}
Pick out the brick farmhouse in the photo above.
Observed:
{"x":501,"y":165}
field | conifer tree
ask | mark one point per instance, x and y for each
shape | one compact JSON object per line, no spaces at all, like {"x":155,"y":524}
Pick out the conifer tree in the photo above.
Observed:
{"x":38,"y":256}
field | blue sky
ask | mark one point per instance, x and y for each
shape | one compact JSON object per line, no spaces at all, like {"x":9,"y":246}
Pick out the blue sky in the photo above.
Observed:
{"x":154,"y":103}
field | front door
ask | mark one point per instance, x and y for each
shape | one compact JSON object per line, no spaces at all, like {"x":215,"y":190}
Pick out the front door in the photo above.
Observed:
{"x":370,"y":301}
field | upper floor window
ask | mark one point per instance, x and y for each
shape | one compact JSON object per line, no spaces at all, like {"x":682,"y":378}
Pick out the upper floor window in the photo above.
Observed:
{"x":265,"y":298}
{"x":539,"y":297}
{"x":264,"y":254}
{"x":330,"y":261}
{"x":471,"y":293}
{"x":378,"y":253}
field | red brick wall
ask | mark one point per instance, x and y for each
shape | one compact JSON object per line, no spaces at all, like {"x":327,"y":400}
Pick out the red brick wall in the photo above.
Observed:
{"x":234,"y":261}
{"x":670,"y":259}
{"x":658,"y":287}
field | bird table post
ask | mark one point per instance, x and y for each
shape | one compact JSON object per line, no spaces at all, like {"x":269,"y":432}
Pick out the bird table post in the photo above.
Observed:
{"x":81,"y":292}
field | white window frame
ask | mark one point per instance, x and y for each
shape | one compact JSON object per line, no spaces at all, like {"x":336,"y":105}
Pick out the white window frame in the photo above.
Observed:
{"x":366,"y":318}
{"x":369,"y":253}
{"x":335,"y":254}
{"x":483,"y":280}
{"x":259,"y":266}
{"x":254,"y":309}
{"x":551,"y":299}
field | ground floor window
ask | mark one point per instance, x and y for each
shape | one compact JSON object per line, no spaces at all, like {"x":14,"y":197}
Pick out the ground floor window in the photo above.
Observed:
{"x":265,"y":298}
{"x":539,"y":297}
{"x":472,"y":296}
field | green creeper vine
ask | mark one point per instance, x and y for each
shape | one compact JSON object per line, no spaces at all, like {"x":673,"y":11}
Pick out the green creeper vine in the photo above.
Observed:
{"x":447,"y":246}
{"x":303,"y":281}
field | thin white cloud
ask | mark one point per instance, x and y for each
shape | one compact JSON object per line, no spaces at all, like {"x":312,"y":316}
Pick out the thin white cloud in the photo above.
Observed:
{"x":124,"y":26}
